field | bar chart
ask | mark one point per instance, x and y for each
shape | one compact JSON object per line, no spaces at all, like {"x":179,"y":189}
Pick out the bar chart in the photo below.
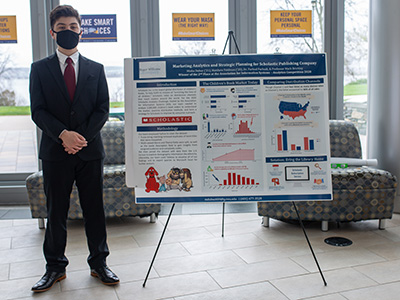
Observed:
{"x":244,"y":101}
{"x":209,"y":129}
{"x":299,"y":143}
{"x":237,"y":179}
{"x":231,"y":179}
{"x":245,"y":128}
{"x":214,"y":103}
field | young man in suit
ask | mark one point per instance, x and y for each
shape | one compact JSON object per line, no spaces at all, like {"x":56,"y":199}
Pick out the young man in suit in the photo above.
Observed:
{"x":70,"y":104}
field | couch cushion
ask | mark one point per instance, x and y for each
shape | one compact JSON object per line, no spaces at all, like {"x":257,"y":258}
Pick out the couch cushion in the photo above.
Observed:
{"x":362,"y":178}
{"x":114,"y":176}
{"x":344,"y":139}
{"x":35,"y":181}
{"x":113,"y":136}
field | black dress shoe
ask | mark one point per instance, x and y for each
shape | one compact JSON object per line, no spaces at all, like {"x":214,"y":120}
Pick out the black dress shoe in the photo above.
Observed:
{"x":105,"y":275}
{"x":47,"y":281}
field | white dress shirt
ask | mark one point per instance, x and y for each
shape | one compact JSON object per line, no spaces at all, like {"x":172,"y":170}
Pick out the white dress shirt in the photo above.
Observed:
{"x":62,"y":58}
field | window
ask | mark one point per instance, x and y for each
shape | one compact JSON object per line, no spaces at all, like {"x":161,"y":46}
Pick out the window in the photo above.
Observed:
{"x":170,"y":47}
{"x":110,"y":54}
{"x":266,"y":44}
{"x":356,"y":66}
{"x":17,"y":133}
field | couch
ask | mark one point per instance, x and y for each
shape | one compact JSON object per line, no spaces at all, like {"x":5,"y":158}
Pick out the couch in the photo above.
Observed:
{"x":359,"y":193}
{"x":119,"y":200}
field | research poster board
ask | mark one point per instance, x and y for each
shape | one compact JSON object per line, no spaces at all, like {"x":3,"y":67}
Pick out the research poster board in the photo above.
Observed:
{"x":231,"y":128}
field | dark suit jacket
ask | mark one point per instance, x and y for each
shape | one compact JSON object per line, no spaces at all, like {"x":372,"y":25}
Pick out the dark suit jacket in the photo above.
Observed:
{"x":52,"y":110}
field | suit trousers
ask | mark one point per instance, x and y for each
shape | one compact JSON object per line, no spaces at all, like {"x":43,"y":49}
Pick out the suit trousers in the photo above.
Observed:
{"x":59,"y":178}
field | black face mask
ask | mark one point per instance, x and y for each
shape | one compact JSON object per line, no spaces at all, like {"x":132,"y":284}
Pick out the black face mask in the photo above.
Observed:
{"x":67,"y":39}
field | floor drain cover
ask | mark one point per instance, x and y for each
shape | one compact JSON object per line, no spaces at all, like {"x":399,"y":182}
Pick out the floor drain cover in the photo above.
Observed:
{"x":338,"y":241}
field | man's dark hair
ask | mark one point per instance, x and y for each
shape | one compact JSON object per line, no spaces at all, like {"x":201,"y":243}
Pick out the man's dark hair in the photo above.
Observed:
{"x":63,"y":11}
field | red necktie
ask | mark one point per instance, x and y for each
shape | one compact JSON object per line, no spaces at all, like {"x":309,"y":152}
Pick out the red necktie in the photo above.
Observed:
{"x":69,"y":77}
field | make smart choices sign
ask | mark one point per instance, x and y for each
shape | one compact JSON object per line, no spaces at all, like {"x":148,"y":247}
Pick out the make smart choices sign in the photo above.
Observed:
{"x":232,"y":128}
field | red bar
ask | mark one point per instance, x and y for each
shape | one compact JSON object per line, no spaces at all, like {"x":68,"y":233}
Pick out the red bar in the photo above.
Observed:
{"x":248,"y":181}
{"x":306,"y":143}
{"x":238,"y":179}
{"x":279,"y":142}
{"x":293,"y":146}
{"x":252,"y":182}
{"x":243,"y":180}
{"x":229,"y":179}
{"x":225,"y":183}
{"x":234,"y":179}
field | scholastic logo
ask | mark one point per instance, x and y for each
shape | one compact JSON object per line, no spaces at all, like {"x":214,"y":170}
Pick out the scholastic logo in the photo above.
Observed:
{"x":154,"y":120}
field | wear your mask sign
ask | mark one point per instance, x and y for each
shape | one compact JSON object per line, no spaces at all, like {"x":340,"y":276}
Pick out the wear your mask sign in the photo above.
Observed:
{"x":99,"y":28}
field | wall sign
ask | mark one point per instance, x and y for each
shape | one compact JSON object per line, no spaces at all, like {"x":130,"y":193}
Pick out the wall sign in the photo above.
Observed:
{"x":8,"y":29}
{"x":99,"y":28}
{"x":291,"y":23}
{"x":193,"y":26}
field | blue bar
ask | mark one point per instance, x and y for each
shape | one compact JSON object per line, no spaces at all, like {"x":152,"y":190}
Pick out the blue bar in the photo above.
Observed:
{"x":240,"y":106}
{"x":244,"y":198}
{"x":290,"y":35}
{"x":213,"y":101}
{"x":311,"y":144}
{"x":218,"y":96}
{"x":206,"y":38}
{"x":293,"y":81}
{"x":247,"y":96}
{"x":213,"y":106}
{"x":291,"y":159}
{"x":284,"y":139}
{"x":166,"y":128}
{"x":311,"y":64}
{"x":229,"y":82}
{"x":163,"y":84}
{"x":298,"y":148}
{"x":242,"y":101}
{"x":208,"y":126}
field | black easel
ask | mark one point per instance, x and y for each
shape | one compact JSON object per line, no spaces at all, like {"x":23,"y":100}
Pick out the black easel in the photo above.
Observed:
{"x":308,"y":242}
{"x":230,"y":38}
{"x":159,"y":244}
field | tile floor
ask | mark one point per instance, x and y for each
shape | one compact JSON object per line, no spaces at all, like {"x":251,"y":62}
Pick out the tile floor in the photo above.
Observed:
{"x":17,"y":145}
{"x":195,"y":262}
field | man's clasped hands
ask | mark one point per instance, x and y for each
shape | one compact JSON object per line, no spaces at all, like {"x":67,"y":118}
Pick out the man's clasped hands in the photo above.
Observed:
{"x":73,"y":142}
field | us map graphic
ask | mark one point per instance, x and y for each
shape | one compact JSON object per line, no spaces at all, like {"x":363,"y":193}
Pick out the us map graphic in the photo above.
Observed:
{"x":293,"y":109}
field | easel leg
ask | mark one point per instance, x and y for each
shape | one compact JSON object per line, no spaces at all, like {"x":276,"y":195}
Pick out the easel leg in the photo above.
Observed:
{"x":308,"y":241}
{"x":223,"y":218}
{"x":158,"y":246}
